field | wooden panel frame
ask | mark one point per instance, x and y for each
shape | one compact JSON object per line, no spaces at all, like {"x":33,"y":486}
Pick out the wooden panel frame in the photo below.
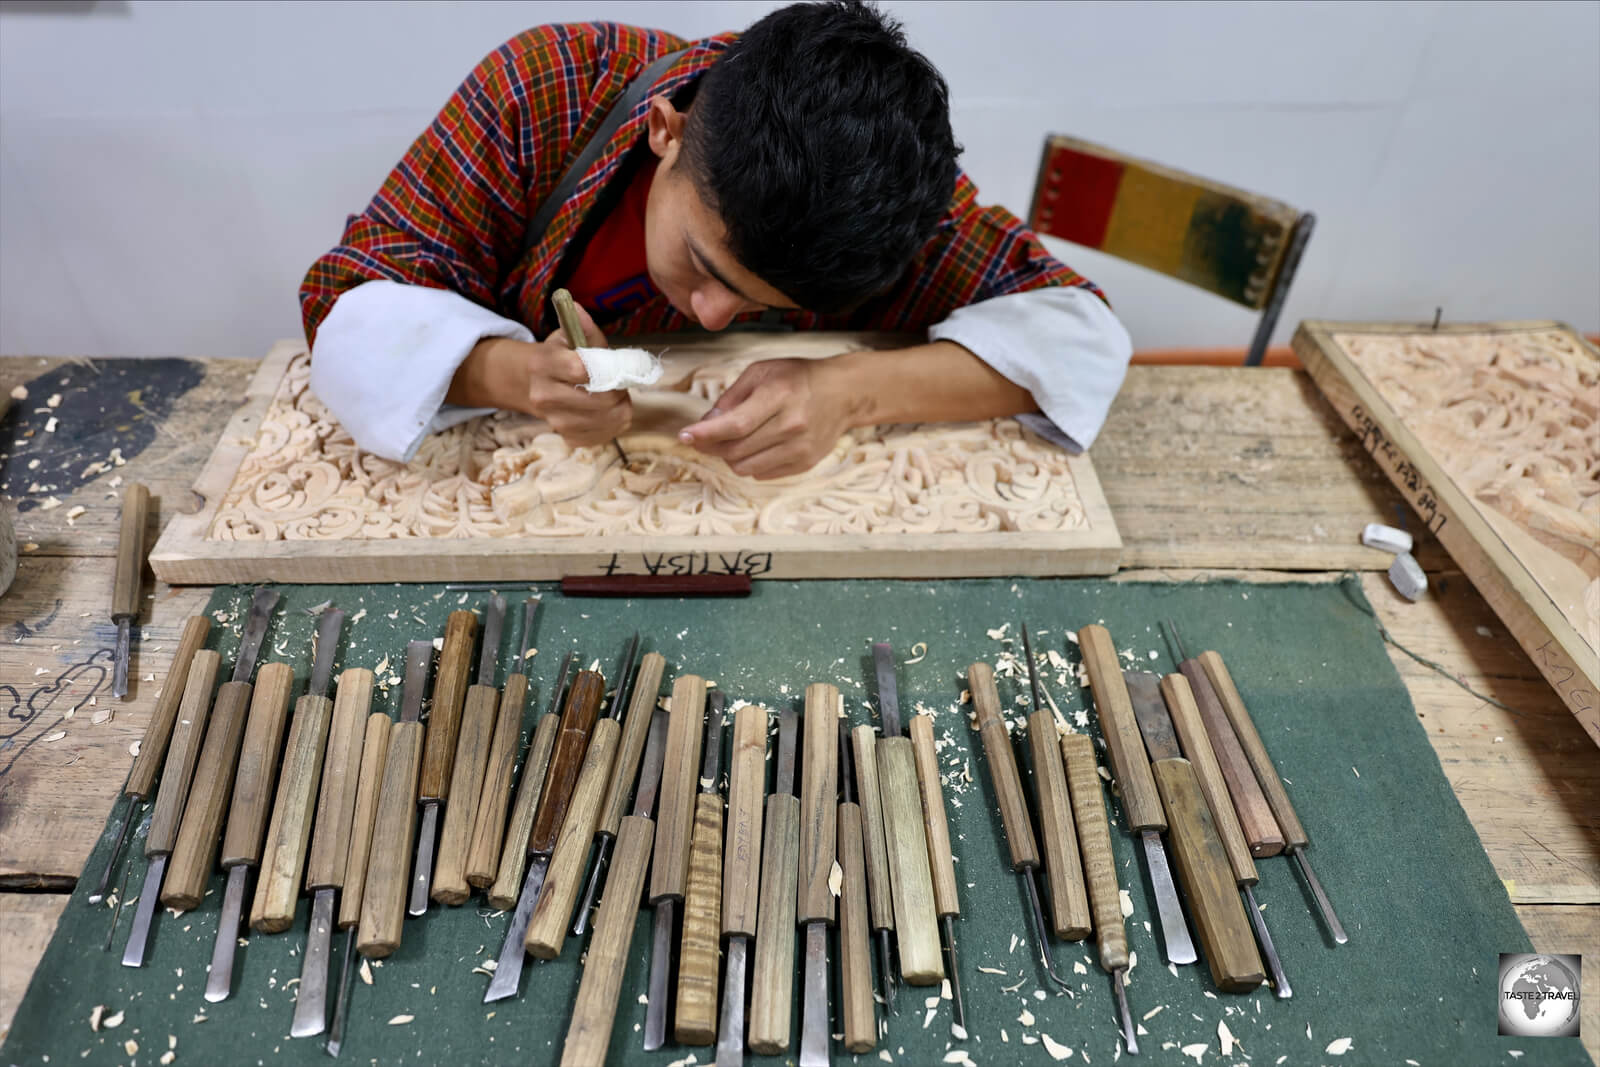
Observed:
{"x":185,"y":556}
{"x":1563,"y":654}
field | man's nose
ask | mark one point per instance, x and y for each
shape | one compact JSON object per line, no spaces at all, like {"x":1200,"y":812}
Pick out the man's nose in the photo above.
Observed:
{"x":715,"y":306}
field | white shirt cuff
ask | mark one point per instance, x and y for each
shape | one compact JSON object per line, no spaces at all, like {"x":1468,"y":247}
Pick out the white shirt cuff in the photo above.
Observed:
{"x":384,"y":358}
{"x":1062,"y":344}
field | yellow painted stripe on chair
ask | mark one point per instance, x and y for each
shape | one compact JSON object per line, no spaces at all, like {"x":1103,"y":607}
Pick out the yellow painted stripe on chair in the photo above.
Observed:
{"x":1150,"y":221}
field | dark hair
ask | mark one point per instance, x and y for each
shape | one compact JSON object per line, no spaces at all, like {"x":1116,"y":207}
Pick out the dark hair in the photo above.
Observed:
{"x":823,"y":141}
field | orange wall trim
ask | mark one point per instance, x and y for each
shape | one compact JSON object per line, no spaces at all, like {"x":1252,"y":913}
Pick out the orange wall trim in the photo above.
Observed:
{"x":1277,"y":356}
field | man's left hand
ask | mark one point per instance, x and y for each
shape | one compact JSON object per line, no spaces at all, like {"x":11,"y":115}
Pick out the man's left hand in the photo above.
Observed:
{"x":780,"y":417}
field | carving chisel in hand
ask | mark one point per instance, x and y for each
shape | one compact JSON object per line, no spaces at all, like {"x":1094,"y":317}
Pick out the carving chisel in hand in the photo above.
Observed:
{"x":772,"y":984}
{"x":535,"y":767}
{"x":1100,"y":871}
{"x":857,"y":1016}
{"x":941,"y":857}
{"x":383,"y":900}
{"x":1244,"y":728}
{"x":175,"y":777}
{"x":439,"y":752}
{"x":864,"y":744}
{"x":572,"y":326}
{"x":695,"y":1018}
{"x":741,"y":871}
{"x":566,"y":762}
{"x":153,"y":746}
{"x":1002,"y":761}
{"x":819,"y":826}
{"x":330,"y":844}
{"x":1207,"y":877}
{"x":128,"y":580}
{"x":374,"y":757}
{"x":1197,"y":747}
{"x":1069,"y":904}
{"x":916,"y":923}
{"x":669,"y":865}
{"x":1141,"y":804}
{"x":489,"y":823}
{"x":641,"y":708}
{"x":284,"y":858}
{"x":472,"y":761}
{"x":547,"y":928}
{"x":595,"y":1010}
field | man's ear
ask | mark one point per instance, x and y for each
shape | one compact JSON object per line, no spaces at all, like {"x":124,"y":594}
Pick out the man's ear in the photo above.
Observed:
{"x":666,"y":125}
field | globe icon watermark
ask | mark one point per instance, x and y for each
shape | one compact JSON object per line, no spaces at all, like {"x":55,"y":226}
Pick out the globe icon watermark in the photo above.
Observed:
{"x":1539,"y":994}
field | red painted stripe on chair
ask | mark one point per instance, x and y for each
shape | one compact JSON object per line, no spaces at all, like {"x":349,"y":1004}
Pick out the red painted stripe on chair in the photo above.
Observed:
{"x":1077,"y":196}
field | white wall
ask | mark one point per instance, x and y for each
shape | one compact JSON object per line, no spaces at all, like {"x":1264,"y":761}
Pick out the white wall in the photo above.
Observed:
{"x":168,"y":171}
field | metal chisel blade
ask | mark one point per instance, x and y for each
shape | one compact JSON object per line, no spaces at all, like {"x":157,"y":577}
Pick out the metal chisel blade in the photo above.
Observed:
{"x":814,"y":1022}
{"x":327,"y":647}
{"x":341,"y":1009}
{"x":255,"y":632}
{"x":1280,"y":981}
{"x":788,"y":728}
{"x":1324,"y":905}
{"x":1174,"y":931}
{"x":494,"y":621}
{"x":530,"y":609}
{"x":730,"y":1034}
{"x":139,"y":936}
{"x":423,"y":871}
{"x":1150,"y":712}
{"x":508,"y":970}
{"x":655,"y":1019}
{"x":419,"y":658}
{"x":219,"y":980}
{"x":888,"y":690}
{"x":311,"y":998}
{"x":116,"y":850}
{"x":119,"y":670}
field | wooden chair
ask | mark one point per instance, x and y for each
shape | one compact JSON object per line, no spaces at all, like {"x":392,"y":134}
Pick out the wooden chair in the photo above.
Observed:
{"x":1227,"y":241}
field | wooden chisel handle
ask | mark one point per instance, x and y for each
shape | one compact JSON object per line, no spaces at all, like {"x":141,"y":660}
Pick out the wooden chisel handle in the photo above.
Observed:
{"x":1094,"y":841}
{"x":680,"y":771}
{"x":449,"y":691}
{"x":514,"y":852}
{"x":595,"y":1011}
{"x":916,"y":925}
{"x":641,"y":705}
{"x":941,"y":857}
{"x":1225,"y":936}
{"x":1069,"y":902}
{"x":341,"y":775}
{"x":1141,"y":804}
{"x":383,"y":903}
{"x":547,"y":929}
{"x":566,"y":759}
{"x":747,"y":777}
{"x":695,"y":1021}
{"x":819,"y":789}
{"x":466,"y":790}
{"x":864,"y":744}
{"x":187,"y":734}
{"x":158,"y":731}
{"x":258,"y":765}
{"x":856,"y":1011}
{"x":772,"y":984}
{"x":1249,"y":803}
{"x":283,"y":859}
{"x":129,"y":574}
{"x":189,"y":869}
{"x":1002,"y":762}
{"x":374,"y":757}
{"x":489,"y":821}
{"x":1294,"y":835}
{"x":1192,"y":736}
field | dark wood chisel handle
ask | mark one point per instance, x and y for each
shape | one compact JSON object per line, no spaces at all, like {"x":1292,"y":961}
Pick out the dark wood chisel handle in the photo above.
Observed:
{"x":566,"y":759}
{"x":283,"y":859}
{"x":747,"y":776}
{"x":642,"y":704}
{"x":383,"y":905}
{"x":1094,"y":841}
{"x":201,"y":830}
{"x":341,"y":775}
{"x":514,"y":852}
{"x":819,"y":766}
{"x":1069,"y":902}
{"x":1197,"y":747}
{"x":466,"y":790}
{"x":547,"y":928}
{"x":449,"y":693}
{"x":941,"y":857}
{"x":856,"y":1012}
{"x":158,"y":731}
{"x":1294,"y":835}
{"x":374,"y":757}
{"x":772,"y":970}
{"x":1249,"y":802}
{"x":129,"y":575}
{"x":1140,"y":801}
{"x":187,"y":734}
{"x":489,"y":821}
{"x":864,"y":744}
{"x":1003,"y":773}
{"x":258,"y":765}
{"x":680,"y":771}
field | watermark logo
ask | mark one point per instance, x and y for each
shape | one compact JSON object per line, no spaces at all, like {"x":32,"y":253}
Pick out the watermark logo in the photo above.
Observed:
{"x":1539,"y":994}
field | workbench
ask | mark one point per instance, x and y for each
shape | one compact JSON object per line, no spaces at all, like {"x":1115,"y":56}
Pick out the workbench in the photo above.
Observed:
{"x":1210,"y":472}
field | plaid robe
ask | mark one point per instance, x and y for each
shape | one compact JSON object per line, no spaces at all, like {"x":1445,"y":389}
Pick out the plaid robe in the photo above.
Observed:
{"x":453,"y":212}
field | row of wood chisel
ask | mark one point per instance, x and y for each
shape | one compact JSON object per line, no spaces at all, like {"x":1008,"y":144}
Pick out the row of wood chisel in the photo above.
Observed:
{"x":1190,"y":765}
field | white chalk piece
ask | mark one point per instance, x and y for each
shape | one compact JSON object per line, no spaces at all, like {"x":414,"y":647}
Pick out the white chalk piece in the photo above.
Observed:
{"x":1377,"y":535}
{"x":1407,"y":576}
{"x":618,"y":368}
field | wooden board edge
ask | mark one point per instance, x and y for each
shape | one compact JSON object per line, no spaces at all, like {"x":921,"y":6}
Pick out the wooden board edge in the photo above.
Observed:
{"x":1560,"y":652}
{"x":1096,"y":509}
{"x":185,"y":535}
{"x":1328,"y":327}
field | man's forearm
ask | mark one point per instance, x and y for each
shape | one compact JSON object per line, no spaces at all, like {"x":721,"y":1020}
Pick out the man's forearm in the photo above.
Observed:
{"x":492,"y":376}
{"x":938,"y":382}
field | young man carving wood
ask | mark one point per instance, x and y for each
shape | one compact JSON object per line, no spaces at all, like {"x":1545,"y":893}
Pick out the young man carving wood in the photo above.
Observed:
{"x":804,"y":170}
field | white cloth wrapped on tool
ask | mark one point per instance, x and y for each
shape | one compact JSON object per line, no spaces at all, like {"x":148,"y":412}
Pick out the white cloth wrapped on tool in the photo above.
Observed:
{"x":619,"y":368}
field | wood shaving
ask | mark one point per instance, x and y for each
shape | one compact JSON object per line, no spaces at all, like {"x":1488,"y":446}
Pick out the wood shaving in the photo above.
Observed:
{"x":1126,"y":901}
{"x":366,"y":972}
{"x":401,"y":1020}
{"x":168,"y":1056}
{"x":50,"y":503}
{"x":50,"y":427}
{"x":19,"y":392}
{"x":1026,"y":1018}
{"x":1079,"y":968}
{"x":102,"y":716}
{"x":999,"y":633}
{"x":99,"y":1009}
{"x":1153,"y":1012}
{"x":73,"y":513}
{"x":131,"y":1047}
{"x":836,"y":879}
{"x":1338,"y":1046}
{"x":991,"y":970}
{"x":1198,"y":1051}
{"x":959,"y":1055}
{"x":958,"y":1031}
{"x":919,"y":652}
{"x":1057,"y":1050}
{"x":58,"y":735}
{"x":1225,"y":1038}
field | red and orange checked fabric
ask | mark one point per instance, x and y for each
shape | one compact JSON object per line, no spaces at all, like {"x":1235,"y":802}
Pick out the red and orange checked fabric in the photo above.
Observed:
{"x":452,"y":213}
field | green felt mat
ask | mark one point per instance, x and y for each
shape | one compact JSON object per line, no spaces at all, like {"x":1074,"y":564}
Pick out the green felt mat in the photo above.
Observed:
{"x":1425,"y":912}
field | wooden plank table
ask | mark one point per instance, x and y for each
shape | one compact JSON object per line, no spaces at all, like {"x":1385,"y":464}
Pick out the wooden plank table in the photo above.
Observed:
{"x":1226,"y":472}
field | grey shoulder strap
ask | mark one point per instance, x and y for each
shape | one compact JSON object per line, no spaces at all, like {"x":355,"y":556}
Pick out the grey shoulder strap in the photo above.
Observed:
{"x":613,"y":121}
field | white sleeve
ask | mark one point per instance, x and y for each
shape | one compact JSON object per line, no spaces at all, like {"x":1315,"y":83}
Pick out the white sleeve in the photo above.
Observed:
{"x":385,"y":355}
{"x":1062,"y":344}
